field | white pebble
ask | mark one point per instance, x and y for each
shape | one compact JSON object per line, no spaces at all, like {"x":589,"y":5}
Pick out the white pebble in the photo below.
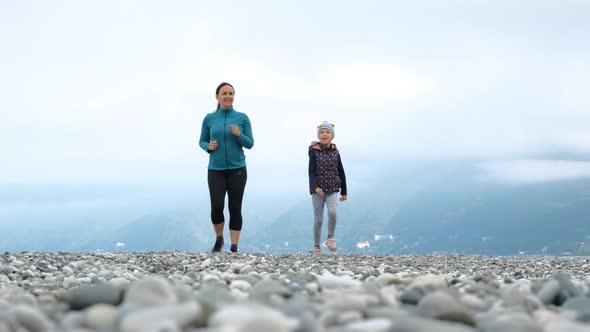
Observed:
{"x":150,"y":291}
{"x":101,"y":316}
{"x":373,"y":325}
{"x":328,"y":280}
{"x":179,"y":315}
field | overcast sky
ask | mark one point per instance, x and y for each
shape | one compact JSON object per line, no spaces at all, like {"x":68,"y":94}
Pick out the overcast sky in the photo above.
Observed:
{"x":115,"y":91}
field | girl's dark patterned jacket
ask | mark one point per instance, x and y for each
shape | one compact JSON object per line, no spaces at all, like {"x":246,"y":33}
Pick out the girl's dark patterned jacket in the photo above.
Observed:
{"x":326,"y":170}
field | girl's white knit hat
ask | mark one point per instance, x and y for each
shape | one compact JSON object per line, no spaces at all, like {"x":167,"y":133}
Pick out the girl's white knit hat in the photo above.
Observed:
{"x":326,"y":125}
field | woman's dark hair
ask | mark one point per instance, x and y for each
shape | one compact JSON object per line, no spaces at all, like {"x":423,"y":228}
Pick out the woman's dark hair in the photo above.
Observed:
{"x":219,"y":88}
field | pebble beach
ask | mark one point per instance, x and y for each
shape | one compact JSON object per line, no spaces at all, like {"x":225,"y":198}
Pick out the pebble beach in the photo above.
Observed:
{"x":239,"y":292}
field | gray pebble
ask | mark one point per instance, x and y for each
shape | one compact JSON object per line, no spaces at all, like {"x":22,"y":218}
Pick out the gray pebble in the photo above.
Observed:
{"x":581,"y":305}
{"x":30,"y":318}
{"x":174,"y":315}
{"x":411,"y":296}
{"x":549,"y":291}
{"x":416,"y":324}
{"x":292,"y":292}
{"x":86,"y":296}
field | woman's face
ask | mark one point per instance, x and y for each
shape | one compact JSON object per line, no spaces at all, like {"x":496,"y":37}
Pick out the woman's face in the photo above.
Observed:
{"x":226,"y":97}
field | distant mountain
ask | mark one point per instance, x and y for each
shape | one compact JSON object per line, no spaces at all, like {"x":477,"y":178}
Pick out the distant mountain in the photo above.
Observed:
{"x":394,"y":207}
{"x":172,"y":231}
{"x":474,"y":215}
{"x":375,"y":195}
{"x":448,"y":207}
{"x":112,"y":218}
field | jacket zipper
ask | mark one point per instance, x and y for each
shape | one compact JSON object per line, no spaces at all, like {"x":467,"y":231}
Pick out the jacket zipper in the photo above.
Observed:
{"x":225,"y":138}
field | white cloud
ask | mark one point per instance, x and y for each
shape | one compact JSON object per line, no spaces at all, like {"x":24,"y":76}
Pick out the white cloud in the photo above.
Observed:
{"x":339,"y":85}
{"x":536,"y":171}
{"x":372,"y":83}
{"x":102,"y":99}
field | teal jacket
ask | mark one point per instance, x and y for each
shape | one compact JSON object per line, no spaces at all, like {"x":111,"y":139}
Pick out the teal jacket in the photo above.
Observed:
{"x":229,"y":153}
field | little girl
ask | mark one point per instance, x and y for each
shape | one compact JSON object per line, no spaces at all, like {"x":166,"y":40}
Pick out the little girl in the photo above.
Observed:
{"x":326,"y":179}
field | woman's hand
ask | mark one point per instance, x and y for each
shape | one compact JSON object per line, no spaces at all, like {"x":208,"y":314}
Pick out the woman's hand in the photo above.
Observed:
{"x":235,"y":130}
{"x":319,"y":191}
{"x":343,"y":198}
{"x":212,"y":145}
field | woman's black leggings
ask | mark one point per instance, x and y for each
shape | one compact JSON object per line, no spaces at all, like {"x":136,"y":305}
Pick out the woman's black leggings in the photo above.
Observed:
{"x":232,"y":181}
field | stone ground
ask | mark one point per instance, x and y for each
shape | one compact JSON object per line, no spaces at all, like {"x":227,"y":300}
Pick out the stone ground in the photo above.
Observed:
{"x":226,"y":292}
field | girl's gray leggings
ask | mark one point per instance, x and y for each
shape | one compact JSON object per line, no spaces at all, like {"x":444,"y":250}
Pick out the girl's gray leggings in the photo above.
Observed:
{"x":331,"y":201}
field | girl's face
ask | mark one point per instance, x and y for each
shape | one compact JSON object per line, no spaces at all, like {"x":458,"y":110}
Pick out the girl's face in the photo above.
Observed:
{"x":325,"y":136}
{"x":225,"y":97}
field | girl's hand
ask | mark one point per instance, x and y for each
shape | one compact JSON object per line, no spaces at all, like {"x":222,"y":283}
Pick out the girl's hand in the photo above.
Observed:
{"x":235,"y":130}
{"x":213,"y":145}
{"x":319,"y":191}
{"x":343,"y":198}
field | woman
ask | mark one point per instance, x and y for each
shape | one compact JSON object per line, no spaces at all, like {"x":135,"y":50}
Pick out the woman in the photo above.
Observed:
{"x":223,"y":135}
